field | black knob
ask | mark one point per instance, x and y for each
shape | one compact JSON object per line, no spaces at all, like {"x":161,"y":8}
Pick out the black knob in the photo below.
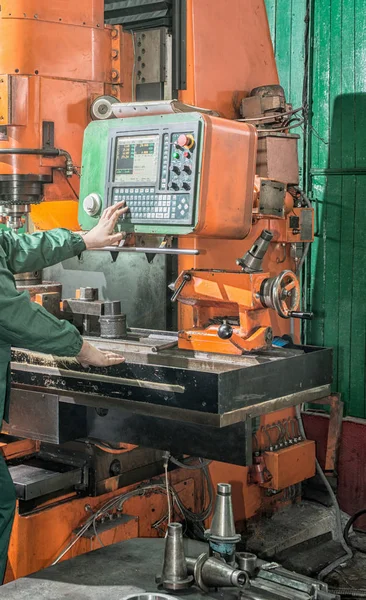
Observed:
{"x":187,"y":169}
{"x":225,"y":331}
{"x":175,"y":169}
{"x":186,"y":186}
{"x":307,"y":316}
{"x":174,"y":186}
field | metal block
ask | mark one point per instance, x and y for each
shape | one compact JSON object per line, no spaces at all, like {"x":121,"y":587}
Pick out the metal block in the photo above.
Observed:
{"x":33,"y":480}
{"x":306,"y":224}
{"x":272,"y":198}
{"x":277,"y":158}
{"x":231,"y":444}
{"x":43,"y":417}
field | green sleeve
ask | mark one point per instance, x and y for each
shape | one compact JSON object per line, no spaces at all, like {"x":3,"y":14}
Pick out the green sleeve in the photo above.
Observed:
{"x":32,"y":252}
{"x":25,"y":324}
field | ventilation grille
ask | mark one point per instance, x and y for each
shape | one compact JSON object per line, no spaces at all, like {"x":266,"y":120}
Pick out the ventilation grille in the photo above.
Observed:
{"x":139,"y":14}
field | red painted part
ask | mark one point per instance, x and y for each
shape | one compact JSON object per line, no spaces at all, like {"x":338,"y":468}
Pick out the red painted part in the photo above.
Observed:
{"x":351,"y":462}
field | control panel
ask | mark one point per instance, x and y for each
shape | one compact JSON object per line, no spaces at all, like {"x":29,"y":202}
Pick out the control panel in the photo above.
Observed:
{"x":155,"y":173}
{"x":178,"y":174}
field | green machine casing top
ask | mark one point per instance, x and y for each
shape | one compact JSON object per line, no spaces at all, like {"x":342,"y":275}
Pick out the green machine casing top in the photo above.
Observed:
{"x":99,"y":159}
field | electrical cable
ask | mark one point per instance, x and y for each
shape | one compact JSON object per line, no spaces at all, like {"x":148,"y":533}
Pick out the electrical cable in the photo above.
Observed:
{"x":303,"y":257}
{"x":298,"y":124}
{"x":273,"y":117}
{"x":347,"y":528}
{"x":184,"y":465}
{"x":118,"y":502}
{"x":338,"y":530}
{"x":166,"y":463}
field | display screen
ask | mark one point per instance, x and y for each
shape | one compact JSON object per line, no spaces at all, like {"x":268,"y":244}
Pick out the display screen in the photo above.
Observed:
{"x":137,"y":159}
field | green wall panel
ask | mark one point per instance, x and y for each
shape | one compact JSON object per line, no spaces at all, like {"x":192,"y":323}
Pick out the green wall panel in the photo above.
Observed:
{"x":335,"y":174}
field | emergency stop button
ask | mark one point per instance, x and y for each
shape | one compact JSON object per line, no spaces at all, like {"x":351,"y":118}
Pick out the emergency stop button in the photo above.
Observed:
{"x":186,"y":141}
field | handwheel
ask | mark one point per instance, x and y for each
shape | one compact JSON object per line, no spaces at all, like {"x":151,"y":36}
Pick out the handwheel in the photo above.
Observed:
{"x":282,"y":293}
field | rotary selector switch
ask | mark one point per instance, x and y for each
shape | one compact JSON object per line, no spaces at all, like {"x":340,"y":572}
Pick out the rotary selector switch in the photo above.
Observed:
{"x":92,"y":204}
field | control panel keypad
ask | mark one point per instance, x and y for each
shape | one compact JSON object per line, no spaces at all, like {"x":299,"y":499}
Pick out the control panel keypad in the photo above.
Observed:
{"x":144,"y":204}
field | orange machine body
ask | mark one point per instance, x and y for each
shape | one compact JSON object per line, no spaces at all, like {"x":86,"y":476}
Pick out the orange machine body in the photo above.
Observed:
{"x":230,"y":53}
{"x":227,"y":179}
{"x":55,"y":59}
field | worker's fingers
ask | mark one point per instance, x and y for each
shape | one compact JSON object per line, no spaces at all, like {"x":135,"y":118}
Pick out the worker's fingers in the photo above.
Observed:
{"x":110,"y":212}
{"x":114,"y":218}
{"x":114,"y":239}
{"x":114,"y":359}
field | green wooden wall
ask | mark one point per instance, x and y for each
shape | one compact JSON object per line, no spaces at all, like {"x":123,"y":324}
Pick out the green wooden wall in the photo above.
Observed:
{"x":335,"y":173}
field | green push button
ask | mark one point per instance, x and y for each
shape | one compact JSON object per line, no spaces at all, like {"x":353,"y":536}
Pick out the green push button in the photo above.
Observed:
{"x":176,"y":155}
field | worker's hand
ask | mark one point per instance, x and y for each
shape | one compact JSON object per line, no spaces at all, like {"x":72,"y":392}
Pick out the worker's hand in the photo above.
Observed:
{"x":89,"y":355}
{"x":104,"y":234}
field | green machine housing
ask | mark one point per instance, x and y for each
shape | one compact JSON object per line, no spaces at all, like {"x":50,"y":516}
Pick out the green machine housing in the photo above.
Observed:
{"x":156,"y":164}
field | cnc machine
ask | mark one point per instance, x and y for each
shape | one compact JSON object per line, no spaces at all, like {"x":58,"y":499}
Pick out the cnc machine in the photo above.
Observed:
{"x":204,"y":155}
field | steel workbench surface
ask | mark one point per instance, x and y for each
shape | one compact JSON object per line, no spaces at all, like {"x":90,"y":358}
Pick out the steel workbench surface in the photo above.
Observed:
{"x":111,"y":573}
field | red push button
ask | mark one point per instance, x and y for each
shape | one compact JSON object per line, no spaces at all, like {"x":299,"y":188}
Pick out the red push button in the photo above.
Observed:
{"x":185,"y":141}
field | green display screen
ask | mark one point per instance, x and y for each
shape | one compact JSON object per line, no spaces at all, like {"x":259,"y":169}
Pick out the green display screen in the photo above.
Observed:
{"x":137,"y":159}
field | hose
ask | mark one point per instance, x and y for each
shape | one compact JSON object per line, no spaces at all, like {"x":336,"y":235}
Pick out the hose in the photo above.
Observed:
{"x":339,"y":529}
{"x":47,"y":152}
{"x":348,"y":527}
{"x":302,"y":260}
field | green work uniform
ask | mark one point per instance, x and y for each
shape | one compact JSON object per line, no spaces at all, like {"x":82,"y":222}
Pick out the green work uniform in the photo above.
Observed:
{"x":24,"y":324}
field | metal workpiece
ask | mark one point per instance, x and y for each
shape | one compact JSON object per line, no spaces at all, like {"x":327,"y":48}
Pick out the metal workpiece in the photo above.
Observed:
{"x":88,"y":294}
{"x":272,"y":581}
{"x":174,"y":575}
{"x":213,"y":573}
{"x":222,"y":536}
{"x":252,"y":261}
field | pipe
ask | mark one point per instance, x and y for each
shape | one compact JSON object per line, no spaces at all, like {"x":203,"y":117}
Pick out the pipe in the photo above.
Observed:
{"x":179,"y":251}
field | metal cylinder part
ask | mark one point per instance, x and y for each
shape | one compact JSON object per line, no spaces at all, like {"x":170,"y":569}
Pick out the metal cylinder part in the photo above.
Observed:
{"x":31,"y":278}
{"x":102,"y":108}
{"x":247,"y":562}
{"x":252,"y":261}
{"x":113,"y":323}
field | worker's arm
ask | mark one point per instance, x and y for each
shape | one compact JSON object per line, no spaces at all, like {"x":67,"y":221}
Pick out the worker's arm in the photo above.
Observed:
{"x":25,"y":324}
{"x":40,"y":250}
{"x":33,"y":252}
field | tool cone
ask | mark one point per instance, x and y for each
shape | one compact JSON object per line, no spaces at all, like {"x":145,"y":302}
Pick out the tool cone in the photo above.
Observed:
{"x":222,"y":536}
{"x":210,"y":572}
{"x":175,"y":575}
